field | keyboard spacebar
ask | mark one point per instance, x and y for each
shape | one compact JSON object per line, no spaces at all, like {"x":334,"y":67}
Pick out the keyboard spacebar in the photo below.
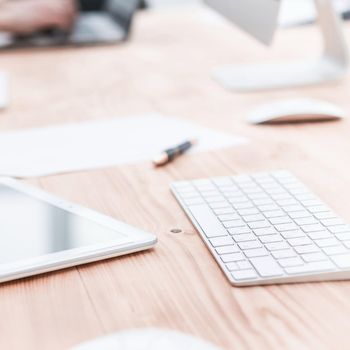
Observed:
{"x":209,"y":223}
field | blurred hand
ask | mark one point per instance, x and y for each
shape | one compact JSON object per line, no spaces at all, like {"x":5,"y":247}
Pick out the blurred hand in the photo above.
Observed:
{"x":27,"y":16}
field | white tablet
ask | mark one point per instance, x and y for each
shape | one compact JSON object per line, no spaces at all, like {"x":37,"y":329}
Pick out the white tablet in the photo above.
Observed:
{"x":40,"y":233}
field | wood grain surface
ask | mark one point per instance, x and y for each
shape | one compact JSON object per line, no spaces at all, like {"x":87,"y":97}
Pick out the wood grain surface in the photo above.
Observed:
{"x":167,"y":68}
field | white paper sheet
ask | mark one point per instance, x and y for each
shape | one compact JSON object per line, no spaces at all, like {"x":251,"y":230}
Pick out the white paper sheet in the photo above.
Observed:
{"x":97,"y":144}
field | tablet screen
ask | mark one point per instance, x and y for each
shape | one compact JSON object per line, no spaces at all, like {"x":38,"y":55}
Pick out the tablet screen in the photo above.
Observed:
{"x":30,"y":227}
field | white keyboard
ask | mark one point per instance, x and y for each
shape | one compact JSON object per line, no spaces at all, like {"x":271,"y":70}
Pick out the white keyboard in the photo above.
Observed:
{"x":267,"y":228}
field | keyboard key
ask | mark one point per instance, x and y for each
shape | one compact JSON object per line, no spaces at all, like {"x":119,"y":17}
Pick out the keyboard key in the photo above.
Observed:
{"x":293,"y":234}
{"x":320,"y":266}
{"x":285,"y":253}
{"x":299,"y":241}
{"x":234,"y":223}
{"x":342,"y":261}
{"x":281,"y":220}
{"x":244,"y":265}
{"x":273,"y":214}
{"x":268,"y":207}
{"x":221,"y":241}
{"x":277,"y":246}
{"x":238,"y":199}
{"x":263,"y":201}
{"x":259,"y":224}
{"x":259,"y":197}
{"x":265,"y":231}
{"x":277,"y":190}
{"x":216,"y":199}
{"x":324,"y":215}
{"x":226,"y":258}
{"x":244,"y":237}
{"x":219,"y":205}
{"x":318,"y":209}
{"x":296,"y":261}
{"x":281,"y":196}
{"x":312,"y":203}
{"x":232,"y":193}
{"x":252,"y":218}
{"x":239,"y":230}
{"x":249,"y":245}
{"x":266,"y":266}
{"x":243,"y":205}
{"x":227,"y":249}
{"x":314,"y":257}
{"x":303,"y":249}
{"x":306,"y":221}
{"x":300,"y":214}
{"x":291,"y":208}
{"x":312,"y":228}
{"x":285,"y":202}
{"x":286,"y":227}
{"x":232,"y":266}
{"x":339,"y":229}
{"x":335,"y":250}
{"x":210,"y":225}
{"x":328,"y":242}
{"x":343,"y":236}
{"x":255,"y":252}
{"x":210,"y":193}
{"x":244,"y":275}
{"x":320,"y":235}
{"x":249,"y":211}
{"x":332,"y":222}
{"x":271,"y":238}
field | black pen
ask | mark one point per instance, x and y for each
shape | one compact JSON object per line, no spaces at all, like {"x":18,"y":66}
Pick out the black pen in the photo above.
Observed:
{"x":170,"y":154}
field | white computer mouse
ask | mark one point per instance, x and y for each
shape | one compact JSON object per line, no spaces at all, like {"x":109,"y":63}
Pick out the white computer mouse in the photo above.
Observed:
{"x":295,"y":110}
{"x":147,"y":339}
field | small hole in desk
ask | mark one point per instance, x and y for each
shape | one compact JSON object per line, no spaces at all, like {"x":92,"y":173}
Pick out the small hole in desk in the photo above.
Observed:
{"x":175,"y":230}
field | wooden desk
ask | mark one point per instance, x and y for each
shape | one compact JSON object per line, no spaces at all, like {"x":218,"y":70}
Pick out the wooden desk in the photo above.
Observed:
{"x":166,"y":68}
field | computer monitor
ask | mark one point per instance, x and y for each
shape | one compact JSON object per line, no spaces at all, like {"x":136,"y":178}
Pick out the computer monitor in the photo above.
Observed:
{"x":260,"y":19}
{"x":247,"y":14}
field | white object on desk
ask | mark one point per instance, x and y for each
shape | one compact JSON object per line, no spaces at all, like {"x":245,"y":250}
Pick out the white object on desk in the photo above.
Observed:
{"x":332,"y":65}
{"x":274,"y":230}
{"x":147,"y":339}
{"x":295,"y":110}
{"x":42,"y":233}
{"x":102,"y":143}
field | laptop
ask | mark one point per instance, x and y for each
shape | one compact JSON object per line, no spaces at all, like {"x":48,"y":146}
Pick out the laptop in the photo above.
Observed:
{"x":99,"y":22}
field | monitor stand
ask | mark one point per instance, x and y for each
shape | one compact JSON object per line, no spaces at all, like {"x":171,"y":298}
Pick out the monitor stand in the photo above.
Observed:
{"x":4,"y":93}
{"x":332,"y":65}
